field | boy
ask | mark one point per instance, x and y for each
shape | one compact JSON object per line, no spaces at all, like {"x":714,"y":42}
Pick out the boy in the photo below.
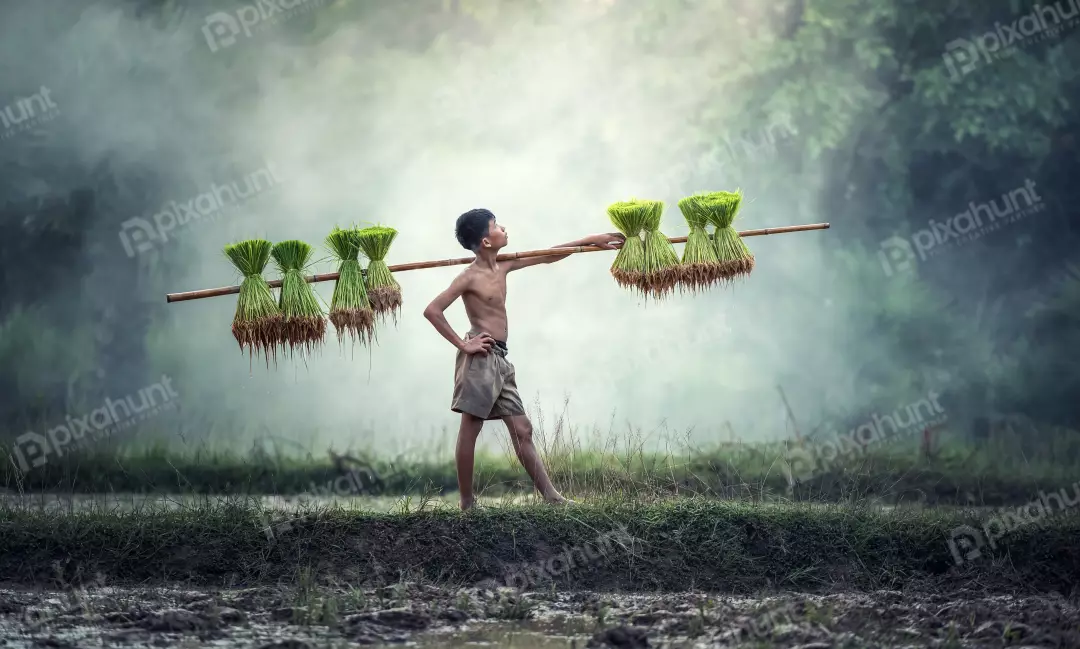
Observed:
{"x":484,"y":382}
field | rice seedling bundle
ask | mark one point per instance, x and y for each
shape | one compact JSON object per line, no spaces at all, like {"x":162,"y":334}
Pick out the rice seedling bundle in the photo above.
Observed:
{"x":700,"y":267}
{"x":662,"y":269}
{"x":258,"y":320}
{"x":304,"y":325}
{"x":382,"y":289}
{"x":350,"y":308}
{"x":734,"y":257}
{"x":629,"y":218}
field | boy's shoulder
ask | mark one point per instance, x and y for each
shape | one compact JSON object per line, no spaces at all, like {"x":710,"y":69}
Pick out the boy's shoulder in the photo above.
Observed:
{"x":466,"y":275}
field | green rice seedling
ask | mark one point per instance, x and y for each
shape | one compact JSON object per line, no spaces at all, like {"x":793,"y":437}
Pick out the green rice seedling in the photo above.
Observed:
{"x":629,"y":217}
{"x":304,"y":324}
{"x":731,"y":252}
{"x":382,"y":288}
{"x":700,"y":268}
{"x":662,"y":269}
{"x":258,"y":320}
{"x":350,"y":308}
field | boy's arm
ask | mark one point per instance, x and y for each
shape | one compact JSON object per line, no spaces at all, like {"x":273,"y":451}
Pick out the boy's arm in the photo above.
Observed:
{"x":434,"y":314}
{"x":610,"y":241}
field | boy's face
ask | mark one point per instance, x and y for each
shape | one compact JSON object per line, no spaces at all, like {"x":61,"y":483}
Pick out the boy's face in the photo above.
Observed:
{"x":496,"y":237}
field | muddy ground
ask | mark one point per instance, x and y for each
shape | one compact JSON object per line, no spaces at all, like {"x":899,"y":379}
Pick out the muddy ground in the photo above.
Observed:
{"x":300,"y":616}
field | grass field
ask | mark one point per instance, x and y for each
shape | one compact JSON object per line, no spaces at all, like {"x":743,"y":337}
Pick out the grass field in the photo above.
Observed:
{"x":1006,"y":471}
{"x":726,"y":545}
{"x":685,"y":543}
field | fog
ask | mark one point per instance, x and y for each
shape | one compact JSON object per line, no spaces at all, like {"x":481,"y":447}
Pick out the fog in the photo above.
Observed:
{"x":546,"y":126}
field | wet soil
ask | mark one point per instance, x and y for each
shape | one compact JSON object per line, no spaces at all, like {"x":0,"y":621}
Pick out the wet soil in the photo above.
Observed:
{"x":301,"y":616}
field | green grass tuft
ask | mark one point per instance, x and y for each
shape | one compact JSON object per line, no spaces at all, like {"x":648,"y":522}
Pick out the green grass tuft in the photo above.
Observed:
{"x":700,"y":266}
{"x":258,"y":320}
{"x":662,"y":270}
{"x":383,"y":290}
{"x":630,"y":218}
{"x":304,"y":325}
{"x":734,"y":257}
{"x":350,"y":308}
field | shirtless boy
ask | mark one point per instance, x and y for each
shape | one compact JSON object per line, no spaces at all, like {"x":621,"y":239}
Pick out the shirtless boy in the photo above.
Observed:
{"x":484,"y":382}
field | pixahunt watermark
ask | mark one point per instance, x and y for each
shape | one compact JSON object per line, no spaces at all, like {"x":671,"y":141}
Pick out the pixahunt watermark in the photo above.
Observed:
{"x":761,"y":145}
{"x":766,"y":624}
{"x":898,"y":254}
{"x":76,"y":599}
{"x":222,"y":29}
{"x":357,"y":481}
{"x":526,"y":575}
{"x":966,"y":543}
{"x":24,"y":113}
{"x":1044,"y":21}
{"x":808,"y":460}
{"x":32,"y":449}
{"x":138,"y":235}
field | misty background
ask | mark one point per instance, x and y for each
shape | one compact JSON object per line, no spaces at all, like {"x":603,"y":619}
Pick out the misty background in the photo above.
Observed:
{"x":410,"y":113}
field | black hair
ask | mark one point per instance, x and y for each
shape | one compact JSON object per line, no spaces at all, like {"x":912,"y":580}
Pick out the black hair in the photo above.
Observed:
{"x":472,"y":227}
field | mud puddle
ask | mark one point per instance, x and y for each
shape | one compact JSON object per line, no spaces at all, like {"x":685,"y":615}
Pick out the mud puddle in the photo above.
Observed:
{"x":306,"y":615}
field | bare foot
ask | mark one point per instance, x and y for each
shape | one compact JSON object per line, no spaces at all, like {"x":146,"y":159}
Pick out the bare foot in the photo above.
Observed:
{"x":466,"y":505}
{"x":558,"y":499}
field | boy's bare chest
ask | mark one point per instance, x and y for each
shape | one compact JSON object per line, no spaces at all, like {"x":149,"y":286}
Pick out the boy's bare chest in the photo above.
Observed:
{"x":491,"y":291}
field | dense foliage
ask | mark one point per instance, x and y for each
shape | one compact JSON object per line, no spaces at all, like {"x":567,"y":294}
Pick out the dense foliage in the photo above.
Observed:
{"x":874,"y":131}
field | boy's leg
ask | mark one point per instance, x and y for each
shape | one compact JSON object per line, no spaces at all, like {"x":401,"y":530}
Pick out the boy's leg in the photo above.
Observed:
{"x":466,"y":449}
{"x":474,"y":378}
{"x":521,"y":437}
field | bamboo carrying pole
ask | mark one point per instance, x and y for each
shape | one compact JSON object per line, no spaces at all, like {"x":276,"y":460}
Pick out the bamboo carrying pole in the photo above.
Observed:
{"x":461,"y":261}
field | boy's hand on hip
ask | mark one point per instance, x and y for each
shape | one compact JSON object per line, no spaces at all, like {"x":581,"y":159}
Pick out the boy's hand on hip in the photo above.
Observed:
{"x":480,"y":344}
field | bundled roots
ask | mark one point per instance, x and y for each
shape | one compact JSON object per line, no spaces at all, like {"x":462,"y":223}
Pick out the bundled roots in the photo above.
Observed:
{"x":382,"y":289}
{"x":257,"y":323}
{"x":700,"y":267}
{"x":358,"y":323}
{"x":734,"y":258}
{"x":737,"y":260}
{"x":631,"y":279}
{"x":386,"y":300}
{"x":305,"y":332}
{"x":350,"y":308}
{"x":261,"y":335}
{"x":662,"y":270}
{"x":628,"y":269}
{"x":304,"y":325}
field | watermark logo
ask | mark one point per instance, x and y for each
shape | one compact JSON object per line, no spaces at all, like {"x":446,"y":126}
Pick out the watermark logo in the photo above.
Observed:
{"x":804,"y":462}
{"x":770,"y":623}
{"x":741,"y":149}
{"x":139,"y":236}
{"x":964,"y":55}
{"x":899,"y":255}
{"x":525,"y":575}
{"x":26,"y":112}
{"x":760,"y":145}
{"x":356,"y":481}
{"x":76,"y":598}
{"x":222,"y":30}
{"x":966,"y":543}
{"x":33,"y":450}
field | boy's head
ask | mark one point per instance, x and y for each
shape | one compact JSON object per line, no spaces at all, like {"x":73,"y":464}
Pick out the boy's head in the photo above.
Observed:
{"x":477,"y":230}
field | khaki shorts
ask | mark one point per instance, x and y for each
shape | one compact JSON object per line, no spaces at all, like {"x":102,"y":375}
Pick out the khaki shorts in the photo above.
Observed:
{"x":486,"y":386}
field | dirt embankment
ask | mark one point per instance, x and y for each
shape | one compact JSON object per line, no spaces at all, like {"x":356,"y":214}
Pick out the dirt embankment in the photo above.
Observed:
{"x":676,"y":546}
